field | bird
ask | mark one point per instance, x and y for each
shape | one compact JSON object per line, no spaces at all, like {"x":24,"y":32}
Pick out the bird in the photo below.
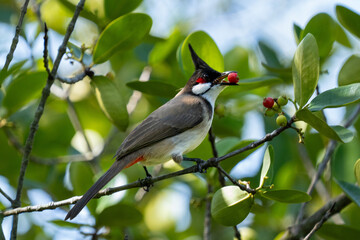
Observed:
{"x":174,"y":129}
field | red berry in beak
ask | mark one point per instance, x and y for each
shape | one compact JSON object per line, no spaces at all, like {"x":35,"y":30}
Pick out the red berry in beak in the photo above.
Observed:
{"x":268,"y":102}
{"x":233,"y":77}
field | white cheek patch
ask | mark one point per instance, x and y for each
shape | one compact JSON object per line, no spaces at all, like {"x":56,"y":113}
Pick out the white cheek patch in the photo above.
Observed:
{"x":201,"y":88}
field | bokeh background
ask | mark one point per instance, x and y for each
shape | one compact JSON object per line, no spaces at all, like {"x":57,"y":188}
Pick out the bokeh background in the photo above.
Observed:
{"x":237,"y":27}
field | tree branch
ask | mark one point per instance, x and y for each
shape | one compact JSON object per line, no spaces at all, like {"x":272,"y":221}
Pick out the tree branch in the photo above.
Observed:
{"x":6,"y":196}
{"x":307,"y":225}
{"x":246,"y":187}
{"x":15,"y":40}
{"x":76,"y":78}
{"x":329,"y":151}
{"x":268,"y":137}
{"x":39,"y":112}
{"x":212,"y":162}
{"x":320,"y":223}
{"x":207,"y":219}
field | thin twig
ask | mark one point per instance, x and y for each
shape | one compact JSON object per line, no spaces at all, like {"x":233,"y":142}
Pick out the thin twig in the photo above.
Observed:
{"x":310,"y":170}
{"x":45,"y":54}
{"x":268,"y":137}
{"x":246,"y":188}
{"x":6,"y":196}
{"x":207,"y":219}
{"x":39,"y":112}
{"x":212,"y":162}
{"x":320,"y":223}
{"x":237,"y":233}
{"x":322,"y":166}
{"x":15,"y":40}
{"x":212,"y":141}
{"x":76,"y":78}
{"x":330,"y":208}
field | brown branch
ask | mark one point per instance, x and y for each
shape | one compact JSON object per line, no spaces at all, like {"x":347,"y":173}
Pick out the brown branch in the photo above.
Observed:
{"x":212,"y":162}
{"x":307,"y":225}
{"x":76,"y":78}
{"x":45,"y":54}
{"x":6,"y":196}
{"x":237,"y":233}
{"x":329,"y":151}
{"x":268,"y":137}
{"x":15,"y":40}
{"x":38,"y":114}
{"x":207,"y":219}
{"x":320,"y":223}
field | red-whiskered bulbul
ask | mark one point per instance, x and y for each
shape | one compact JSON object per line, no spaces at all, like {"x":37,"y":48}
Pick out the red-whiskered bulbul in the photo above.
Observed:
{"x":175,"y":128}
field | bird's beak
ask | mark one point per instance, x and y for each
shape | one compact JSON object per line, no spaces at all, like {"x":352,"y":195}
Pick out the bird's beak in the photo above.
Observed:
{"x":220,"y":80}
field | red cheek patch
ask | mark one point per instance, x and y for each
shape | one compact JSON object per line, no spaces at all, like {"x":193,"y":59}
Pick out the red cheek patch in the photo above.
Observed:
{"x":201,"y":80}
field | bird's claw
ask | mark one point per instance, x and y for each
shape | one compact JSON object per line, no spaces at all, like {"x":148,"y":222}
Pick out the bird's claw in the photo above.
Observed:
{"x":146,"y":183}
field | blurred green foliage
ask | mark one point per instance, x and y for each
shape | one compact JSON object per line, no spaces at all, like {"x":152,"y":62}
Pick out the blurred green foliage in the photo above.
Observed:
{"x":85,"y":123}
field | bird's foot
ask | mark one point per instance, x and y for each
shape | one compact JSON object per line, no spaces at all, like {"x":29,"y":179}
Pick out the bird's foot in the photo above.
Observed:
{"x":199,"y":163}
{"x":146,"y":182}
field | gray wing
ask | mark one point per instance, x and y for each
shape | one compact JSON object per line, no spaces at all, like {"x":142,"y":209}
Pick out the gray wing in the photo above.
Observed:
{"x":172,"y":118}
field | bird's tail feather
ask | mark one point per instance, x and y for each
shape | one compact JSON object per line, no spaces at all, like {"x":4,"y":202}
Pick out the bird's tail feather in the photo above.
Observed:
{"x":103,"y":180}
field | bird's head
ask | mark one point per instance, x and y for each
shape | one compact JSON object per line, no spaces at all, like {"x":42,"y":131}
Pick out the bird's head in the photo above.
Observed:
{"x":206,"y":81}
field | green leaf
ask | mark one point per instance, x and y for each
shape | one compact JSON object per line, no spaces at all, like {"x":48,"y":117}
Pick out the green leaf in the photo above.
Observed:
{"x":342,"y":38}
{"x":110,"y":101}
{"x":129,"y":215}
{"x":270,"y":55}
{"x":230,"y":205}
{"x":350,"y":71}
{"x":115,"y":8}
{"x":163,"y":49}
{"x":121,"y":34}
{"x":13,"y":69}
{"x":205,"y":48}
{"x":297,"y":33}
{"x":267,"y":160}
{"x":23,"y":89}
{"x":287,"y":196}
{"x":325,"y":31}
{"x":345,"y":134}
{"x":349,"y":19}
{"x":62,"y":223}
{"x":305,"y":69}
{"x":317,"y":123}
{"x":81,"y":177}
{"x":231,"y":162}
{"x":351,"y":190}
{"x":336,"y":97}
{"x":155,"y":88}
{"x":357,"y":171}
{"x":332,"y":231}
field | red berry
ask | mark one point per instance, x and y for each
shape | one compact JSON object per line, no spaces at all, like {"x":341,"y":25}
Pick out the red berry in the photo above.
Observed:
{"x":268,"y":102}
{"x":233,"y":77}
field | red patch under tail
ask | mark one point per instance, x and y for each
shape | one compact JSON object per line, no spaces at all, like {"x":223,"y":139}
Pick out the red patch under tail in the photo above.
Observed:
{"x":139,"y":159}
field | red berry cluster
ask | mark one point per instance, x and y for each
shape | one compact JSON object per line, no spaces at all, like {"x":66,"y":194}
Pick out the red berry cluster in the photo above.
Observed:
{"x":273,"y":106}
